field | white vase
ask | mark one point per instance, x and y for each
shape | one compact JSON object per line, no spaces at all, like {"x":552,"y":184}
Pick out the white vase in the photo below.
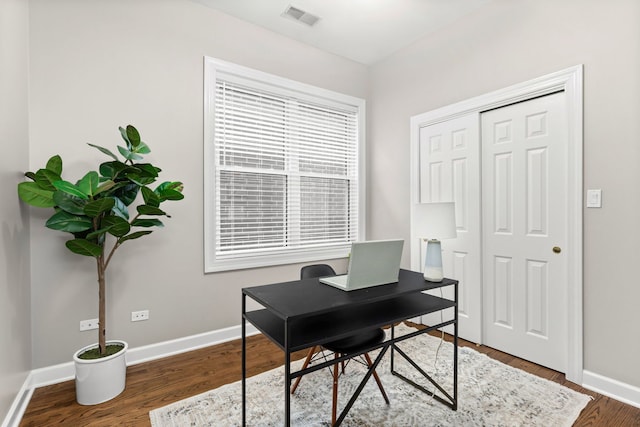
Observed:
{"x":100,"y":380}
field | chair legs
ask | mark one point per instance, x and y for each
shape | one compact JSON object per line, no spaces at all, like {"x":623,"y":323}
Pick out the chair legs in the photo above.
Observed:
{"x":377,"y":378}
{"x":336,"y":374}
{"x":334,"y":408}
{"x":304,"y":366}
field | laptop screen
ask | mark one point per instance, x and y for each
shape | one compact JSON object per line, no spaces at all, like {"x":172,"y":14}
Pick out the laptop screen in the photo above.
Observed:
{"x":374,"y":263}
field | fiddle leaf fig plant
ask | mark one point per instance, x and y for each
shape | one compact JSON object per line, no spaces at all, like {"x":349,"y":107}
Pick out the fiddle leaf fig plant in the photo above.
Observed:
{"x":99,"y":210}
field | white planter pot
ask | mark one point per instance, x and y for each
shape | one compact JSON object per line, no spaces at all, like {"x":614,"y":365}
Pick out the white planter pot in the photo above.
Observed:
{"x":99,"y":380}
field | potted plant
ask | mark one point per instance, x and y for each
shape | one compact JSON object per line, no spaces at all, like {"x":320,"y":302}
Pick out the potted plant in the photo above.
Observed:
{"x":97,"y":212}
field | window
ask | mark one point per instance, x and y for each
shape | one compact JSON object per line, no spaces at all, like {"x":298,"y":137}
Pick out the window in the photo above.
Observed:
{"x":283,"y":170}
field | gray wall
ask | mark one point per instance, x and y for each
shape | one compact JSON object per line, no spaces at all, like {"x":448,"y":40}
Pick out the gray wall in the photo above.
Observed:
{"x":99,"y":64}
{"x":15,"y":313}
{"x":511,"y":42}
{"x":95,"y":65}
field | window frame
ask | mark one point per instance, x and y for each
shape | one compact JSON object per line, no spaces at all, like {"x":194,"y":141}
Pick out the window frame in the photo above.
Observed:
{"x":213,"y":68}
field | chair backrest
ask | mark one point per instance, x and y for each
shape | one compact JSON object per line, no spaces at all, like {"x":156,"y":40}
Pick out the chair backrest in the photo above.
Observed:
{"x":316,"y":270}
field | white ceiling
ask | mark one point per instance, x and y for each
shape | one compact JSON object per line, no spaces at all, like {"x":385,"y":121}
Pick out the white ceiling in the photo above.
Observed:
{"x":365,"y":31}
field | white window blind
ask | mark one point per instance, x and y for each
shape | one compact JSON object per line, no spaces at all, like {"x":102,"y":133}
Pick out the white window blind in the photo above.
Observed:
{"x":286,"y":173}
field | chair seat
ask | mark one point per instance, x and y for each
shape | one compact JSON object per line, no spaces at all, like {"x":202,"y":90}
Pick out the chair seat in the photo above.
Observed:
{"x":356,"y":343}
{"x":352,"y":344}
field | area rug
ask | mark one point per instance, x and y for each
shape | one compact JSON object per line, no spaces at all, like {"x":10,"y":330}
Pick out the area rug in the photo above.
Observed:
{"x":490,"y":393}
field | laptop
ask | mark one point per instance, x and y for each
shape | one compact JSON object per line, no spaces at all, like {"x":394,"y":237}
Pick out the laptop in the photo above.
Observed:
{"x":371,"y":263}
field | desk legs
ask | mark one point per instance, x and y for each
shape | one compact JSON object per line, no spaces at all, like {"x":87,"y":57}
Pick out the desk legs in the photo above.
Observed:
{"x":450,"y":400}
{"x":393,"y":335}
{"x":244,"y":362}
{"x":287,"y":376}
{"x":455,"y":350}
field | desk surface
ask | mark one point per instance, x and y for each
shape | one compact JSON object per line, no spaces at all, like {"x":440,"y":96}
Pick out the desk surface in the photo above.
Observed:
{"x":306,"y":298}
{"x":304,"y":313}
{"x":316,"y":313}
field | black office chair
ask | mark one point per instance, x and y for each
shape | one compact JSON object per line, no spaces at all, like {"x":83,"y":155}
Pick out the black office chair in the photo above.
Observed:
{"x":351,"y":344}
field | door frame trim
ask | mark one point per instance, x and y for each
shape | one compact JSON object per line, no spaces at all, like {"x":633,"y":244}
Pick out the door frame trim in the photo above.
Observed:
{"x":569,"y":80}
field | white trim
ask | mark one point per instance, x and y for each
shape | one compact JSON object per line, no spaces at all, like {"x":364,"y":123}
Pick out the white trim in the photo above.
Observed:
{"x":65,"y":371}
{"x":570,"y":81}
{"x":49,"y":375}
{"x":213,"y":67}
{"x":19,"y":405}
{"x":625,"y":393}
{"x":300,"y":89}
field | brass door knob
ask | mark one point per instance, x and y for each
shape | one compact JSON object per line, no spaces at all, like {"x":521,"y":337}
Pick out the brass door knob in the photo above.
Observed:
{"x":556,"y":249}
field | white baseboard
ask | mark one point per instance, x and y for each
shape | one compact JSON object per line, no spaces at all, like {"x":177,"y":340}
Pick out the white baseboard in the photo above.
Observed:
{"x":65,"y":371}
{"x":19,"y":405}
{"x":615,"y":389}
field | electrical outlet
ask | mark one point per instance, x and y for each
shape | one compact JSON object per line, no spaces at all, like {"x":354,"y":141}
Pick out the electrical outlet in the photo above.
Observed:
{"x":87,"y":325}
{"x":137,"y":316}
{"x":594,"y":198}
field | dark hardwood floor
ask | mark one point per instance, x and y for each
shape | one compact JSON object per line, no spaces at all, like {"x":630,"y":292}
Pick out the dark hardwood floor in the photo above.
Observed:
{"x":154,"y":384}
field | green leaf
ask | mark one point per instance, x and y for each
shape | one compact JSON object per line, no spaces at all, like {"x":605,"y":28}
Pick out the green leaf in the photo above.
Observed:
{"x":89,"y":183}
{"x":30,"y":175}
{"x":54,"y":164}
{"x":84,"y":247}
{"x":120,"y":209}
{"x":128,"y":193}
{"x":105,"y":151}
{"x":112,"y":169}
{"x":129,"y":155}
{"x":142,"y":148}
{"x":32,"y":194}
{"x":97,"y":234}
{"x":147,"y":223}
{"x":170,"y":191}
{"x":96,"y":207}
{"x":147,"y":169}
{"x":105,"y":186}
{"x":116,"y":226}
{"x":67,"y":202}
{"x":123,"y":133}
{"x":45,"y":179}
{"x":150,"y":197}
{"x":170,"y":185}
{"x":150,"y":210}
{"x":125,"y":152}
{"x":172,"y":195}
{"x":133,"y":136}
{"x":69,"y":188}
{"x":139,"y":179}
{"x":65,"y":221}
{"x":135,"y":235}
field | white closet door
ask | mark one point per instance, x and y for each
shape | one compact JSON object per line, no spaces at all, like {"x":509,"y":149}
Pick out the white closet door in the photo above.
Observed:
{"x":525,"y":227}
{"x":450,"y":171}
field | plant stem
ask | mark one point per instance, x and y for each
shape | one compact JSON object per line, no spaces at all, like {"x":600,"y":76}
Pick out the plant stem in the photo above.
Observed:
{"x":102,"y":316}
{"x":102,"y":327}
{"x":115,"y":246}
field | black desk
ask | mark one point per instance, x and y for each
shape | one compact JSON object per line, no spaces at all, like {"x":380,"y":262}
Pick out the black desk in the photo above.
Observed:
{"x":304,"y":313}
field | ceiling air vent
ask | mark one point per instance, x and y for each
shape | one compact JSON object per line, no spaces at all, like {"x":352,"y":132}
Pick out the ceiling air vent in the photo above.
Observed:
{"x":300,"y":16}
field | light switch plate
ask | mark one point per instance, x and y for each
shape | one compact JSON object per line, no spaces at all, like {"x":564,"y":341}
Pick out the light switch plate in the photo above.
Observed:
{"x":594,"y":198}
